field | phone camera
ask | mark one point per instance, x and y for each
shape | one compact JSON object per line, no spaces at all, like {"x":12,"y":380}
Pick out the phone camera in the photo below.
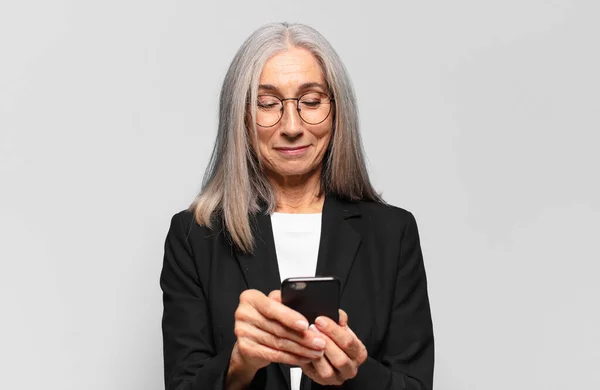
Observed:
{"x":298,"y":286}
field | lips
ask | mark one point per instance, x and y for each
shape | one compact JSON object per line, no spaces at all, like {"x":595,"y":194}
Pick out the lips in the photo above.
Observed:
{"x":292,"y":151}
{"x":292,"y":148}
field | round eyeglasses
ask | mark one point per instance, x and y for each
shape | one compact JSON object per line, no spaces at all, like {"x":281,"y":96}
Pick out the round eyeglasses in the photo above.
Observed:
{"x":313,"y":108}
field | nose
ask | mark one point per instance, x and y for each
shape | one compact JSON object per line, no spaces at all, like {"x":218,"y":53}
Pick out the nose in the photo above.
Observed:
{"x":291,"y":123}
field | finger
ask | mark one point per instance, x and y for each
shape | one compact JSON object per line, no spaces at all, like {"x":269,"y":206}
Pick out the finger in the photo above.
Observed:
{"x":275,"y":295}
{"x":247,"y":316}
{"x":344,"y":366}
{"x":245,"y":330}
{"x":309,"y":370}
{"x":343,"y":318}
{"x":274,"y":310}
{"x":325,"y":373}
{"x":347,"y":341}
{"x":251,"y":349}
{"x":363,"y":354}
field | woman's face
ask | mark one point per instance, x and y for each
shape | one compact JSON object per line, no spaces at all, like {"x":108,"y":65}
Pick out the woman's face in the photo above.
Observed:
{"x":293,"y":147}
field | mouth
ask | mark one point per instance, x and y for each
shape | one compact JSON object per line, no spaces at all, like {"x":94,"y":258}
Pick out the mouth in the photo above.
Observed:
{"x":292,"y":150}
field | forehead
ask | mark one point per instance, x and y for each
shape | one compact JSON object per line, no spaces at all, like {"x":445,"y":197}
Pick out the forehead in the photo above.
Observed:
{"x":291,"y":68}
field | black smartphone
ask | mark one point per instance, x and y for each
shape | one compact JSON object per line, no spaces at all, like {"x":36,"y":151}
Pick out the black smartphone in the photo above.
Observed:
{"x":312,"y":296}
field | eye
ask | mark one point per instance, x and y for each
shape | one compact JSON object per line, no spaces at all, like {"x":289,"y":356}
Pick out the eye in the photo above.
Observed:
{"x":267,"y":105}
{"x":311,"y":103}
{"x":313,"y":100}
{"x":267,"y":102}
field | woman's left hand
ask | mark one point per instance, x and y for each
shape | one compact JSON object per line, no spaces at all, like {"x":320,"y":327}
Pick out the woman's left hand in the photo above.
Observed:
{"x":344,"y":353}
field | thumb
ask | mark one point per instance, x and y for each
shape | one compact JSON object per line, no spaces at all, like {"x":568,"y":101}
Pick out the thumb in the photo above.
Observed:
{"x":343,"y":318}
{"x":275,"y":295}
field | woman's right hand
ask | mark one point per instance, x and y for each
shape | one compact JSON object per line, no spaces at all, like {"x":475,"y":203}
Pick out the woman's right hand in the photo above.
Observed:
{"x":267,"y":331}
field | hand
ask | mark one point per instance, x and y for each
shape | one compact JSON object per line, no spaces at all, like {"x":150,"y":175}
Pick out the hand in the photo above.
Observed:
{"x":268,"y":331}
{"x":344,"y":352}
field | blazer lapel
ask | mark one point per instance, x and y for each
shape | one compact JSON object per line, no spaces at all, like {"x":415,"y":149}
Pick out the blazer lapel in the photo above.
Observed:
{"x":337,"y":247}
{"x":339,"y":240}
{"x":260,"y":268}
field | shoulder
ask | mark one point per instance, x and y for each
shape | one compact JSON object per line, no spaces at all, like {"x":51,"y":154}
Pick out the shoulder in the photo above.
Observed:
{"x":385,"y":214}
{"x":184,"y":217}
{"x":392,"y":227}
{"x":184,"y":223}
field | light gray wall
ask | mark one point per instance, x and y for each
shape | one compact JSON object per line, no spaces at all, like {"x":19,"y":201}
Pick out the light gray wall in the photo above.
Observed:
{"x":481,"y":117}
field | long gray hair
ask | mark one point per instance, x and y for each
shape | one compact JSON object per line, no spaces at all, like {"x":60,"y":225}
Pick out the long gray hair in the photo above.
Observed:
{"x":235,"y":184}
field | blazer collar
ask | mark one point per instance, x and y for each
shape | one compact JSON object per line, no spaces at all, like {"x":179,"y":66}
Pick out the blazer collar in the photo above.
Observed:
{"x":339,"y":238}
{"x":260,"y":268}
{"x":338,"y":245}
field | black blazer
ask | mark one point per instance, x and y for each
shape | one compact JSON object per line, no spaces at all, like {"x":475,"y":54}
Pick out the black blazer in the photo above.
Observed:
{"x":372,"y":248}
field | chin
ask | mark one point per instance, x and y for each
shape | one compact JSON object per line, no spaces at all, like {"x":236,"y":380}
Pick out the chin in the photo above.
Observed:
{"x":292,"y":172}
{"x":288,"y":171}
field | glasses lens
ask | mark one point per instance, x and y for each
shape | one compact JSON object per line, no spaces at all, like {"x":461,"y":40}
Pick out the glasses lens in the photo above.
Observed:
{"x":268,"y":110}
{"x":314,"y":107}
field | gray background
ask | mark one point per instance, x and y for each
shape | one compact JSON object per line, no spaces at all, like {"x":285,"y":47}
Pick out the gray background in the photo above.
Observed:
{"x":480,"y":117}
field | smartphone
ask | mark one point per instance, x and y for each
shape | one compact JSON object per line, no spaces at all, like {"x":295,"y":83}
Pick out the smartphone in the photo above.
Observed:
{"x":312,"y":296}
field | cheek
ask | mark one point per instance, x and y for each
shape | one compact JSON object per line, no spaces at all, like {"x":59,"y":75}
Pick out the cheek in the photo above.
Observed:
{"x":328,"y":127}
{"x":323,"y":133}
{"x":264,"y":138}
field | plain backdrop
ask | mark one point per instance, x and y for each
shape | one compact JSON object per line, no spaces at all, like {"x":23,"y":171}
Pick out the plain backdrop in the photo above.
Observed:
{"x":486,"y":110}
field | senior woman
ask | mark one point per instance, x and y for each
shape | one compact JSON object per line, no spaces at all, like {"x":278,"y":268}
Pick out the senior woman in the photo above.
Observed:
{"x":287,"y":194}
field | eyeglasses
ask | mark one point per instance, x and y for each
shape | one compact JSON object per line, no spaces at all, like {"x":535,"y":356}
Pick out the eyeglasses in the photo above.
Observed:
{"x":313,"y":108}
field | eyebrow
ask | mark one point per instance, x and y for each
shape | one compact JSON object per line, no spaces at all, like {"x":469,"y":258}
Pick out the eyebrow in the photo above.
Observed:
{"x":305,"y":86}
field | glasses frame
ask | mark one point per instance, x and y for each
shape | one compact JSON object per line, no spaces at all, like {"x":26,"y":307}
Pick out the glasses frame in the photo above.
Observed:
{"x":298,"y":109}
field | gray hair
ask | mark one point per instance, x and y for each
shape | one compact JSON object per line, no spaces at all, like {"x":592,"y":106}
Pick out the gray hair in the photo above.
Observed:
{"x":235,"y":184}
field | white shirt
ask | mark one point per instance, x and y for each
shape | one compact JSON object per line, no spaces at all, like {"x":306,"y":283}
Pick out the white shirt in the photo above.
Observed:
{"x":297,"y":246}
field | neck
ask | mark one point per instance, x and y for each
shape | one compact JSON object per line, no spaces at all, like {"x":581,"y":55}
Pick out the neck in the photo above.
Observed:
{"x":298,"y":195}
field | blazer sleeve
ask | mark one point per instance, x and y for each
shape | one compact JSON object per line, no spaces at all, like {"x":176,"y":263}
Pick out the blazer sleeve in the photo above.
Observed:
{"x":407,"y":357}
{"x":190,"y":359}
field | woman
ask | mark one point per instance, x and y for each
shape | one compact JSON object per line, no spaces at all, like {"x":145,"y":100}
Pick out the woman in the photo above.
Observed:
{"x":287,"y":194}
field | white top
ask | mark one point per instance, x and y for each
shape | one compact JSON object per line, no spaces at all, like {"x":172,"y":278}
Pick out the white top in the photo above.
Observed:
{"x":297,"y":246}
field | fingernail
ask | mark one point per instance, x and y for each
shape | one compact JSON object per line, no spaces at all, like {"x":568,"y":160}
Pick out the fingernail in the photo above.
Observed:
{"x":302,"y":325}
{"x":318,"y":353}
{"x":320,"y":321}
{"x":319,"y":343}
{"x":314,"y":329}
